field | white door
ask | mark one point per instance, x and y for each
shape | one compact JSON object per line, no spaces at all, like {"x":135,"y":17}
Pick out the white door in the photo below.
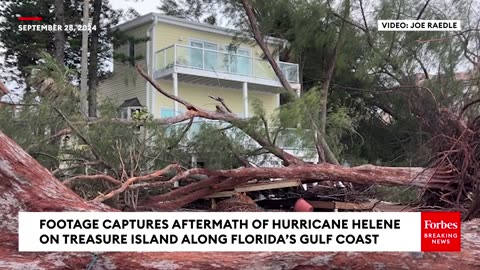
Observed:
{"x":210,"y":56}
{"x":240,"y":61}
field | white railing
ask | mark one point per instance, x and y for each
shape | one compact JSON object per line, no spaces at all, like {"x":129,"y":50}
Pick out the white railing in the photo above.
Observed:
{"x":221,"y":61}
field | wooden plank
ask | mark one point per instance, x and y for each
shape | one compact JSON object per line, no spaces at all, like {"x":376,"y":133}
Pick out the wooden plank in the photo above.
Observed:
{"x":257,"y":187}
{"x":268,"y":185}
{"x":342,"y":205}
{"x":371,"y":205}
{"x":221,"y":194}
{"x":354,"y":206}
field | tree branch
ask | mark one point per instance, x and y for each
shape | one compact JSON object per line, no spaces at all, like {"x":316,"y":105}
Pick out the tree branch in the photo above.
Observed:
{"x":97,"y":177}
{"x":75,"y":166}
{"x":220,"y":180}
{"x":258,"y":36}
{"x":131,"y":180}
{"x":224,"y":115}
{"x":423,"y":9}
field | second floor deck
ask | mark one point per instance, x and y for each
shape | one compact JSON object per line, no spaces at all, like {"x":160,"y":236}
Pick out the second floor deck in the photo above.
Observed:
{"x":208,"y":66}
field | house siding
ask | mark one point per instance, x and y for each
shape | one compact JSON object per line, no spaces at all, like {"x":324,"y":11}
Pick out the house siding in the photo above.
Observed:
{"x":199,"y":96}
{"x":167,"y":35}
{"x":125,"y":82}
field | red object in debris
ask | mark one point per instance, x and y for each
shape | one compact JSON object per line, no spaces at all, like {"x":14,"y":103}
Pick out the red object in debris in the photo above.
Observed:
{"x":302,"y":206}
{"x":3,"y":89}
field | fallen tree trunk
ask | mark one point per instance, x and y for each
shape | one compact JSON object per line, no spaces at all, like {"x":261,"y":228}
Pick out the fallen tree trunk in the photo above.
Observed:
{"x":26,"y":186}
{"x":228,"y":179}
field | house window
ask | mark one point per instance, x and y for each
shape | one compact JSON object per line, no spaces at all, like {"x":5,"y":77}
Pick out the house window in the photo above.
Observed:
{"x":131,"y":52}
{"x":166,"y":112}
{"x":128,"y":112}
{"x":240,"y":61}
{"x":124,"y":113}
{"x":203,"y":54}
{"x":169,"y":112}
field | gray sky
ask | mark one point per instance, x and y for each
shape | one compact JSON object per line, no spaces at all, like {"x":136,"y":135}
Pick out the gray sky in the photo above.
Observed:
{"x":147,"y":6}
{"x":142,"y":6}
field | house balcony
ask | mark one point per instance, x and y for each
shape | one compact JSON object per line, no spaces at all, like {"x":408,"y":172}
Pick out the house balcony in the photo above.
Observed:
{"x":212,"y":68}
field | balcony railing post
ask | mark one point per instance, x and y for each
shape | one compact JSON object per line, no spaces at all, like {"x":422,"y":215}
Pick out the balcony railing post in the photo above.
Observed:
{"x":229,"y":63}
{"x":174,"y":55}
{"x":165,"y":58}
{"x":298,"y":73}
{"x":203,"y":58}
{"x":251,"y":73}
{"x":262,"y":69}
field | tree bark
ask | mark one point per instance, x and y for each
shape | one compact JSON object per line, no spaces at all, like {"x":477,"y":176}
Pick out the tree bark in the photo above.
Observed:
{"x":93,"y":63}
{"x":328,"y":74}
{"x":330,"y":65}
{"x":26,"y":186}
{"x":3,"y":90}
{"x":258,"y":36}
{"x":221,"y":180}
{"x":84,"y":61}
{"x":59,"y":35}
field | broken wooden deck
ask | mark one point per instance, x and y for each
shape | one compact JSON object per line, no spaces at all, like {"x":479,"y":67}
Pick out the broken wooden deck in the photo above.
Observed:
{"x":249,"y":187}
{"x":372,"y":205}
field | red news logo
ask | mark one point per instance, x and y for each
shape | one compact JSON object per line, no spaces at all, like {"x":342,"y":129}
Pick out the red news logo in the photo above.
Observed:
{"x":441,"y":231}
{"x":440,"y":225}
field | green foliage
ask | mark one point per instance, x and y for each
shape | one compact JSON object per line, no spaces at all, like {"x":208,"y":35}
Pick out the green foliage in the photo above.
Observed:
{"x":298,"y":121}
{"x":121,"y":38}
{"x":368,"y":65}
{"x":214,"y":146}
{"x":193,"y":10}
{"x":24,"y":48}
{"x":142,"y":116}
{"x":53,"y":81}
{"x":371,"y":110}
{"x":34,"y":124}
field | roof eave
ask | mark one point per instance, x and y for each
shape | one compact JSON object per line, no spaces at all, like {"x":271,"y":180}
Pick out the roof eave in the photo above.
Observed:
{"x":188,"y":24}
{"x":135,"y":22}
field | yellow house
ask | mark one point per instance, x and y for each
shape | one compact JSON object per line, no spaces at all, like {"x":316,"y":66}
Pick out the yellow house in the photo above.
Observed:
{"x":194,"y":60}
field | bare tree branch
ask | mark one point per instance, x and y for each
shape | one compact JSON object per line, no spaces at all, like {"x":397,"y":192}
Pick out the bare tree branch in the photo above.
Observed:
{"x":158,"y":121}
{"x":222,"y":101}
{"x":80,"y":165}
{"x":97,"y":177}
{"x":131,"y":180}
{"x":423,"y":9}
{"x":223,"y":115}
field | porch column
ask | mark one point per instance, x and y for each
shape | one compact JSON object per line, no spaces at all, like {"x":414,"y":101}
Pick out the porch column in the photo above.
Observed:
{"x":245,"y":100}
{"x":175,"y":92}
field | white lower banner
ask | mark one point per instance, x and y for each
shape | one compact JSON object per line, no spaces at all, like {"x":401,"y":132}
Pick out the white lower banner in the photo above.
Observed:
{"x":228,"y":231}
